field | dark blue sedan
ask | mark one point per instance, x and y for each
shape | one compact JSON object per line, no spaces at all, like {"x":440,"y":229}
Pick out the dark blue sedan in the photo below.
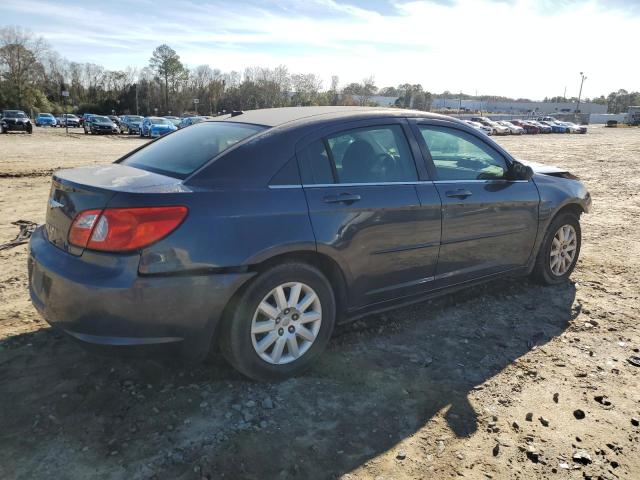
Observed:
{"x":260,"y":231}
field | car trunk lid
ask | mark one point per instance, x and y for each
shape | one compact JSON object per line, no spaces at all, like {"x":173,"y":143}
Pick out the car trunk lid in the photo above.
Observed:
{"x":87,"y":188}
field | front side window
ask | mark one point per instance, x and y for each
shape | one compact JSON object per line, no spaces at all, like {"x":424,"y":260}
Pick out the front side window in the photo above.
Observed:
{"x":186,"y":150}
{"x":458,"y":155}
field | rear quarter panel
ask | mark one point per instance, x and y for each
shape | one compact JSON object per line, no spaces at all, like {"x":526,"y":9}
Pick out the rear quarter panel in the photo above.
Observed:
{"x":226,"y":228}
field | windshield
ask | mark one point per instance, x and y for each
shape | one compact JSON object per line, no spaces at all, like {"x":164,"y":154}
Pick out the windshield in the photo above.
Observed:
{"x":98,"y":118}
{"x":48,"y":115}
{"x":159,"y":121}
{"x":186,"y":150}
{"x":134,"y":118}
{"x":14,"y":114}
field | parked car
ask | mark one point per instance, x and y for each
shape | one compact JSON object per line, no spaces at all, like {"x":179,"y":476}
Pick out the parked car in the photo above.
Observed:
{"x":496,"y":128}
{"x":99,"y":125}
{"x":513,"y":129}
{"x":116,"y":120}
{"x":260,"y":232}
{"x":479,"y":126}
{"x":544,"y":128}
{"x":68,"y":119}
{"x":45,"y":120}
{"x":186,"y":121}
{"x":84,"y":117}
{"x":556,"y":127}
{"x":156,"y":127}
{"x":131,"y":124}
{"x":575,"y":128}
{"x":175,"y":120}
{"x":528,"y":127}
{"x":15,"y":121}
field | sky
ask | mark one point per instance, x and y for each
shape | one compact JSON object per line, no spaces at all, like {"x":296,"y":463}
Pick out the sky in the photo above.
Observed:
{"x":515,"y":48}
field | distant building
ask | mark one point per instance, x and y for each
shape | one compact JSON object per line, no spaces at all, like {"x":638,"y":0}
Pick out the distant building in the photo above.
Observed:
{"x":515,"y":107}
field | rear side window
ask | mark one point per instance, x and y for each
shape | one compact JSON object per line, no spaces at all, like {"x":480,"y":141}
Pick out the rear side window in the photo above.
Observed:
{"x":184,"y":151}
{"x":377,"y":154}
{"x":315,"y":164}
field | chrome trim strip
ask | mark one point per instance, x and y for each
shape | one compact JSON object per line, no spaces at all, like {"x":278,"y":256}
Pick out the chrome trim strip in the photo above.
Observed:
{"x":480,"y":181}
{"x":423,"y":182}
{"x":280,"y":187}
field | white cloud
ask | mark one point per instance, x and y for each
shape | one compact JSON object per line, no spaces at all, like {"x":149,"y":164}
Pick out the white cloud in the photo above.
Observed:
{"x":522,"y":48}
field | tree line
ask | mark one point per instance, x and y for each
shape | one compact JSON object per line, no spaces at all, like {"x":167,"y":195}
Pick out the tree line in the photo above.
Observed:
{"x":34,"y":77}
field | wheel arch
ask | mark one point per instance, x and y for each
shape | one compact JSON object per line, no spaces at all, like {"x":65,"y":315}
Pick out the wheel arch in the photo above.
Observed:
{"x":327,"y":266}
{"x":571,"y":207}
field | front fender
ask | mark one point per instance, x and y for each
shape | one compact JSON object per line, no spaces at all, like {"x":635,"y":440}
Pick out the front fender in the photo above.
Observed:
{"x":557,"y":192}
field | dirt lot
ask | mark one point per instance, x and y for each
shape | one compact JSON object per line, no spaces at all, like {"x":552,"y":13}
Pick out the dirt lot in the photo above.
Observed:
{"x":481,"y":384}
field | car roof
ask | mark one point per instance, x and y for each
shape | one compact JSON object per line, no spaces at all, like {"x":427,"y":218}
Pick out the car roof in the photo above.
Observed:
{"x":273,"y":117}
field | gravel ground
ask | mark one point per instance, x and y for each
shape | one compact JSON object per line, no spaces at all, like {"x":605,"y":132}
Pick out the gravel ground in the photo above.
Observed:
{"x":508,"y":380}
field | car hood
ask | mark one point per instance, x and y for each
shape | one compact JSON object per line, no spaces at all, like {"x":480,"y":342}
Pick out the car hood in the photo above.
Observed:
{"x":160,"y":125}
{"x":104,"y":124}
{"x":542,"y":168}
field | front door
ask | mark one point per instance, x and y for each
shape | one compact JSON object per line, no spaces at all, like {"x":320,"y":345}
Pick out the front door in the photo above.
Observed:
{"x":360,"y":185}
{"x":489,"y":223}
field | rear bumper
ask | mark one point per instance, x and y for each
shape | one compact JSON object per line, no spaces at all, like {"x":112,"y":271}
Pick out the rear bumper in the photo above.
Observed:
{"x":100,"y":300}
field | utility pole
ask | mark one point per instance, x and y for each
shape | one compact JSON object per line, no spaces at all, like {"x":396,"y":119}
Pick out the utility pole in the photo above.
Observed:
{"x":564,"y":95}
{"x":584,"y":77}
{"x":137,"y":109}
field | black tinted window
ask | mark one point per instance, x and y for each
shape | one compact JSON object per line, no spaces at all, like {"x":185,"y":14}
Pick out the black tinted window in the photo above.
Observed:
{"x":184,"y":151}
{"x":315,"y":164}
{"x":372,"y":155}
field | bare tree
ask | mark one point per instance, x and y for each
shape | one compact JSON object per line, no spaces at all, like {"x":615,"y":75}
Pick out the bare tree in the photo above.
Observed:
{"x":20,"y":65}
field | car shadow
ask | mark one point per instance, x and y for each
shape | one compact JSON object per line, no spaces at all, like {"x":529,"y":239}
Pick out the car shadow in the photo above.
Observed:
{"x":381,"y":381}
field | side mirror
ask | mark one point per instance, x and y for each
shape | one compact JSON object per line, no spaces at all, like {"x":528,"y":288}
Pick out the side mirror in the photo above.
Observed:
{"x":518,"y":171}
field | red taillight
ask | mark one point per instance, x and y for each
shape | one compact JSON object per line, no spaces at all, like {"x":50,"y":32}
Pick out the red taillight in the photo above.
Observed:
{"x":124,"y":229}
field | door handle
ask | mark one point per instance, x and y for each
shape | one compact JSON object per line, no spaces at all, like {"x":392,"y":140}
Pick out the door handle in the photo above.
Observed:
{"x":459,"y":193}
{"x":346,"y":198}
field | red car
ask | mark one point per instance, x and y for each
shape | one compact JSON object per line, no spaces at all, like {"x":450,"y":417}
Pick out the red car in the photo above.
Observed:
{"x":528,"y":127}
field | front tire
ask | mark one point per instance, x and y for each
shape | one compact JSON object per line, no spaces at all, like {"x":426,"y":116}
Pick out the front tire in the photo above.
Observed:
{"x":280,"y":323}
{"x":559,"y":251}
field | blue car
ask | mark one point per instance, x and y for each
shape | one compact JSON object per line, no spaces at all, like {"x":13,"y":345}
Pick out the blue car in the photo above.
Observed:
{"x":258,"y":232}
{"x":557,"y":127}
{"x":186,"y":121}
{"x":45,"y":120}
{"x":156,"y":127}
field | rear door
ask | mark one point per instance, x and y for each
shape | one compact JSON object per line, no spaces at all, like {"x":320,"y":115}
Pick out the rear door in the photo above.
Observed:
{"x":489,"y":222}
{"x":360,"y":183}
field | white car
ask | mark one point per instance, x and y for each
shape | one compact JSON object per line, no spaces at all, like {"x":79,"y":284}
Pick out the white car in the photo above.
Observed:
{"x":496,"y":128}
{"x":574,"y":128}
{"x":479,"y":126}
{"x":513,"y":129}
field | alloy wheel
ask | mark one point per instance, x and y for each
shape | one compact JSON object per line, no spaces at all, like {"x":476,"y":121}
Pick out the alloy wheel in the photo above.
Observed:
{"x":286,"y":323}
{"x":563,"y":250}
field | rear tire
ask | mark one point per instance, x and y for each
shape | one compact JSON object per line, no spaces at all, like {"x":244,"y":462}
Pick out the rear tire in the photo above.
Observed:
{"x":546,"y":270}
{"x":250,"y":337}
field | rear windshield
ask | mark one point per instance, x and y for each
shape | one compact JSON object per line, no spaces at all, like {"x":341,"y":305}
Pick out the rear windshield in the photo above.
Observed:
{"x":186,"y":150}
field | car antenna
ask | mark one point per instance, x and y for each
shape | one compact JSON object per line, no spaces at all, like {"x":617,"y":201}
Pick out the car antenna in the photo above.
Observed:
{"x":235,"y":113}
